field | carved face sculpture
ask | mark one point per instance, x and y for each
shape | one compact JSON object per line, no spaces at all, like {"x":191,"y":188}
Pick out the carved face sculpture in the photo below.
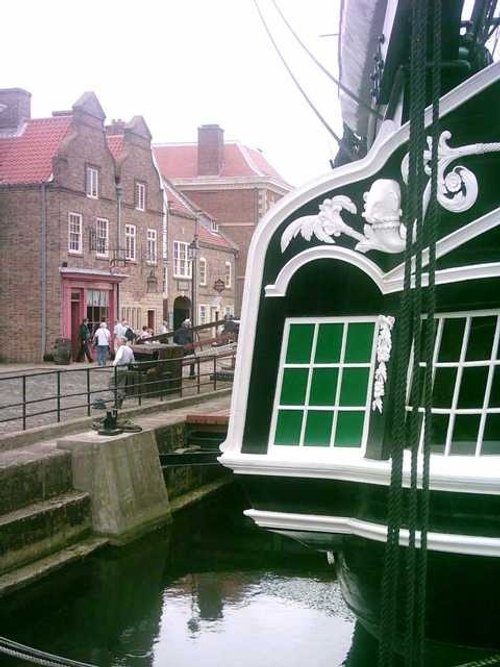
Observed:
{"x":382,"y":201}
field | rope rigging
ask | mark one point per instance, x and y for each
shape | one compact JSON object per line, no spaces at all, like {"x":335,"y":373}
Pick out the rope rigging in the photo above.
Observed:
{"x":325,"y":71}
{"x":406,"y":427}
{"x":323,"y":121}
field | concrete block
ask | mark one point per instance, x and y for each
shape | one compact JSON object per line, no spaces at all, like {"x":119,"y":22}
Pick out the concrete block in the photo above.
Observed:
{"x":123,"y":476}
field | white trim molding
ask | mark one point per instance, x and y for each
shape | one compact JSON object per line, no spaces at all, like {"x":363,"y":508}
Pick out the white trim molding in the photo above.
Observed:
{"x":388,"y":140}
{"x":301,"y":526}
{"x":457,"y":474}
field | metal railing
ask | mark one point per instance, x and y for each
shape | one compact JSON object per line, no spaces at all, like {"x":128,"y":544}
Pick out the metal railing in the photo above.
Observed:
{"x":40,"y":398}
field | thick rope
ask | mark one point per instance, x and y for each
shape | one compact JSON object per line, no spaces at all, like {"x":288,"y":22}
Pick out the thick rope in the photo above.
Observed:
{"x":16,"y":650}
{"x":432,"y":224}
{"x":408,"y":324}
{"x":415,"y":212}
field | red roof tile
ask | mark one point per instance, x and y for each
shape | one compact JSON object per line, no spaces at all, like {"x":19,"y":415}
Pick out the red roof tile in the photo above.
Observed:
{"x":181,"y":161}
{"x":27,"y":158}
{"x":115,"y":144}
{"x":179,"y":203}
{"x":213,"y":238}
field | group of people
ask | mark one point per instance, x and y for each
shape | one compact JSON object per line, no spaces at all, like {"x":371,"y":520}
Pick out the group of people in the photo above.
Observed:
{"x":106,"y":343}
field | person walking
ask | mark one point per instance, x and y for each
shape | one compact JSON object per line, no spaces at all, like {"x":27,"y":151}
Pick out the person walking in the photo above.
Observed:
{"x":84,"y":336}
{"x":123,"y":358}
{"x":118,"y":332}
{"x":102,"y":339}
{"x":184,"y":336}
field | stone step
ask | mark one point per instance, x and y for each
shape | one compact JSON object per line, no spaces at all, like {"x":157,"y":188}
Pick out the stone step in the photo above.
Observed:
{"x":33,"y":474}
{"x":23,"y":576}
{"x":33,"y":532}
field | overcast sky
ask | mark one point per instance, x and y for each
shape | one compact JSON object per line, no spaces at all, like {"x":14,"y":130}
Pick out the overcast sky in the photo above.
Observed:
{"x":181,"y":64}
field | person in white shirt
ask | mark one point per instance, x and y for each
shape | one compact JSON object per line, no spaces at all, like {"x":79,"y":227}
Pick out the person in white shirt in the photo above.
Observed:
{"x":118,"y":331}
{"x":102,"y":339}
{"x":123,"y":357}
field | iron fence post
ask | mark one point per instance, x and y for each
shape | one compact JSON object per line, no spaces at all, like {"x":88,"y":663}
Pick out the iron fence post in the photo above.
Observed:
{"x":58,"y":396}
{"x":87,"y":371}
{"x":24,"y":401}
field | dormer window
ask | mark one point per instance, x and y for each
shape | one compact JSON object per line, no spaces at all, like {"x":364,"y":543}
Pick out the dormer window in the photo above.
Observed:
{"x":214,"y":227}
{"x":92,"y":182}
{"x":140,"y":196}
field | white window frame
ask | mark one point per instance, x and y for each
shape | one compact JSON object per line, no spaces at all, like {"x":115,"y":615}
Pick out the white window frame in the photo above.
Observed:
{"x":214,"y":227}
{"x":75,"y":233}
{"x":151,"y":246}
{"x":491,"y":364}
{"x":202,"y":313}
{"x":103,"y":224}
{"x":202,"y":271}
{"x":181,"y":263}
{"x":140,"y":196}
{"x":228,"y":274}
{"x":130,"y":242}
{"x":92,"y":182}
{"x":299,"y":449}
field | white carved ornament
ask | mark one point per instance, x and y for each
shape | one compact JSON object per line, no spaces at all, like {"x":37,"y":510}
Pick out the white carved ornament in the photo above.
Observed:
{"x":384,"y":346}
{"x":457,"y":191}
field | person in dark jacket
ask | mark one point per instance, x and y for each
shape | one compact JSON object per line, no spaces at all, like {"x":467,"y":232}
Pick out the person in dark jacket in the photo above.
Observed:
{"x":184,"y":336}
{"x":84,"y":336}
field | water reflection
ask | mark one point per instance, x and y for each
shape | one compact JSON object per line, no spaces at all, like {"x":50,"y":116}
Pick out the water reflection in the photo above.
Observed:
{"x":212,"y":590}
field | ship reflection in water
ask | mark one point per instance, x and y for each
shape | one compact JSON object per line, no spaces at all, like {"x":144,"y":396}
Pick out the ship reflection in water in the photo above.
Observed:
{"x":213,"y":590}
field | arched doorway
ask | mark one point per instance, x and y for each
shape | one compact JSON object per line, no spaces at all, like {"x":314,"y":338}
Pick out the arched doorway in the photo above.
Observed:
{"x":182,"y":310}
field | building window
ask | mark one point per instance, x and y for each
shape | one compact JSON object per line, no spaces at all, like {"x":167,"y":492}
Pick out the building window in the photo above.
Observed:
{"x":140,"y":196}
{"x":92,"y":182}
{"x":228,"y":310}
{"x":182,"y":265}
{"x":101,"y":237}
{"x":130,"y":244}
{"x":151,"y":246}
{"x":214,"y":227}
{"x":324,"y":387}
{"x":202,"y":314}
{"x":228,"y":270}
{"x":75,"y":242}
{"x":465,"y":409}
{"x":202,"y":271}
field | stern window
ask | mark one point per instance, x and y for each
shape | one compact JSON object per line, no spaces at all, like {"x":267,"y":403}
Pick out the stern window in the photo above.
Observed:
{"x":324,"y":386}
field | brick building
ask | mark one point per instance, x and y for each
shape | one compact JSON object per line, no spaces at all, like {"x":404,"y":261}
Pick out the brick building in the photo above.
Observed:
{"x":233,"y":183}
{"x":213,"y":289}
{"x":81,"y":223}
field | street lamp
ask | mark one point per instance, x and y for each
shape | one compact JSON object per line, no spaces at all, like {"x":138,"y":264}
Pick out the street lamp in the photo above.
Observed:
{"x":192,"y":255}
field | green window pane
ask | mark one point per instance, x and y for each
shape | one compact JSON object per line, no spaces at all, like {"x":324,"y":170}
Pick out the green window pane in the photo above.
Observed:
{"x":481,"y":335}
{"x":299,"y":343}
{"x":354,"y":387}
{"x":444,"y":386}
{"x":329,"y":343}
{"x":318,"y":428}
{"x":349,"y":429}
{"x":288,"y":427}
{"x":495,"y":389}
{"x":451,"y":340}
{"x":359,"y":342}
{"x":491,"y":438}
{"x":323,"y":386}
{"x":439,"y":429}
{"x":472,"y":387}
{"x":293,"y":389}
{"x":465,"y":432}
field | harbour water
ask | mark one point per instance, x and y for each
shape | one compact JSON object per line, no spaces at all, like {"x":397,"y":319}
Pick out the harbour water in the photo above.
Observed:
{"x":212,"y":590}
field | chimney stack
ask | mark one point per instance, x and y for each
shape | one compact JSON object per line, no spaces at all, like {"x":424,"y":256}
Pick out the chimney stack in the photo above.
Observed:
{"x":15,"y":108}
{"x":210,"y":150}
